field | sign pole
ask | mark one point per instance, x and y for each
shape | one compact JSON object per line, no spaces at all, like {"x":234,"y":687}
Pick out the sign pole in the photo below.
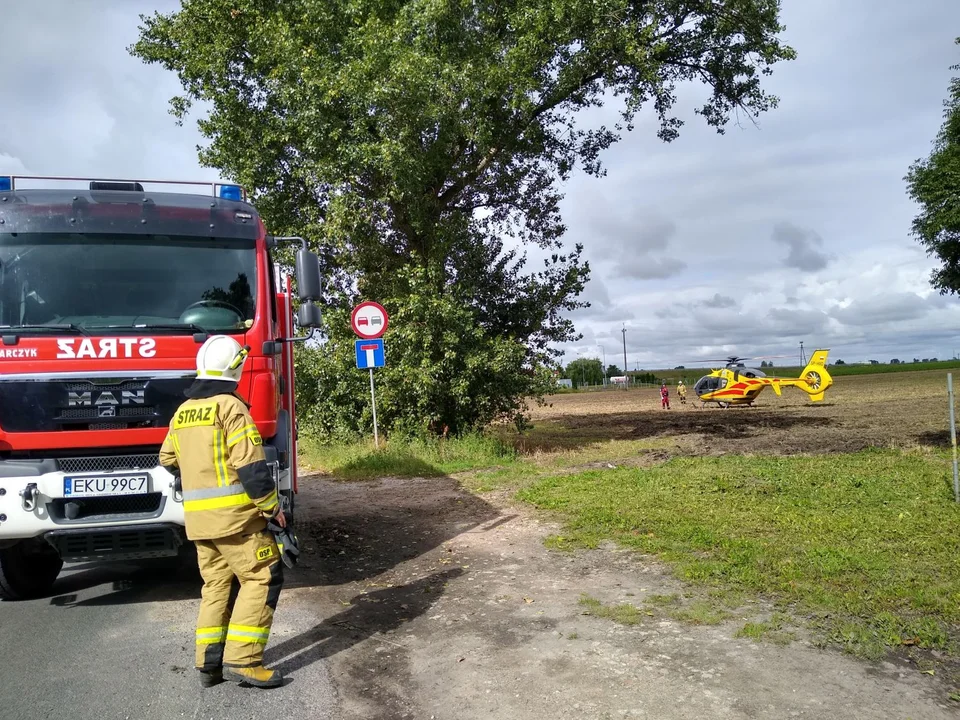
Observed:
{"x":373,"y":404}
{"x":953,"y":438}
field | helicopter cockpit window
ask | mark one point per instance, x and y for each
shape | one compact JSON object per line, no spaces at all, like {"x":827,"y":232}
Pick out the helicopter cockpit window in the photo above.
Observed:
{"x":708,"y":384}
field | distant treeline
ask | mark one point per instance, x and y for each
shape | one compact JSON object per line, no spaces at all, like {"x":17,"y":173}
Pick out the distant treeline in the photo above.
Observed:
{"x":691,"y":375}
{"x":837,"y":369}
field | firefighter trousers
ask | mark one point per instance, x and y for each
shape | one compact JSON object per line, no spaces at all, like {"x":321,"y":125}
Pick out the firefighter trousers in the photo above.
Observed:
{"x":242,"y":578}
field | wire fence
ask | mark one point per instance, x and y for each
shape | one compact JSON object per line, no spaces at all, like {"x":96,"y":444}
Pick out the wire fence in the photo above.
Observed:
{"x":614,"y":386}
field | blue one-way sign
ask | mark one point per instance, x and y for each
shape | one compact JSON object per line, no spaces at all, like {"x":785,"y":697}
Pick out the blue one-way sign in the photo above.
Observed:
{"x":370,"y":353}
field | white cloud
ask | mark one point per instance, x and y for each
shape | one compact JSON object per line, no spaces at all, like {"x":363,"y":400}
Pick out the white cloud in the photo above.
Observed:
{"x":844,"y":272}
{"x":645,"y":267}
{"x":681,"y":237}
{"x":12,"y":165}
{"x":83,"y":105}
{"x":883,"y":308}
{"x":601,"y":307}
{"x":803,"y":246}
{"x":720,"y":301}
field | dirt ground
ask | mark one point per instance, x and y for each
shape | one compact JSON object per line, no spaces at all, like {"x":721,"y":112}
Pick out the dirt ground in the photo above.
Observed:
{"x":434,"y":603}
{"x":885,"y":410}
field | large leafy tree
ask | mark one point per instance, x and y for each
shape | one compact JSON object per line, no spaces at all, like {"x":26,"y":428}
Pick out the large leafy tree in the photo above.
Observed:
{"x":423,"y":145}
{"x":934,"y":183}
{"x":584,"y":371}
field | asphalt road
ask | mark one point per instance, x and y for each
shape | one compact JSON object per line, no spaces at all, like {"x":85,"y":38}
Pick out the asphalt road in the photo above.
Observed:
{"x":415,"y":600}
{"x":116,"y":641}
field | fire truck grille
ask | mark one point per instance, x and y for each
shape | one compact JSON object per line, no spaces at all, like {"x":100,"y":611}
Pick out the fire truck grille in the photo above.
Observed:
{"x":92,"y":413}
{"x":105,"y":508}
{"x":81,"y":387}
{"x":108,"y":463}
{"x":74,"y":405}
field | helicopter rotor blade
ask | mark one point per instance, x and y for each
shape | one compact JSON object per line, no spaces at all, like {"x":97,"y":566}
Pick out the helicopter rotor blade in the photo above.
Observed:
{"x":710,"y":360}
{"x":737,"y":358}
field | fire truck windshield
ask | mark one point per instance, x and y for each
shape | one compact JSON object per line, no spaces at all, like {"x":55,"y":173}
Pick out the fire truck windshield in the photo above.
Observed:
{"x":110,"y":282}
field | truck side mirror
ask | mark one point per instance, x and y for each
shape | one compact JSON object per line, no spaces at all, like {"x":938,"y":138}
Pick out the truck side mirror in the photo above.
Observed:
{"x":308,"y":315}
{"x":308,"y":278}
{"x":309,"y":288}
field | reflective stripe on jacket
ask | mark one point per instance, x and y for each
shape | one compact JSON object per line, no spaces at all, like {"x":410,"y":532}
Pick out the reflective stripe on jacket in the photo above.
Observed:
{"x":227,"y":486}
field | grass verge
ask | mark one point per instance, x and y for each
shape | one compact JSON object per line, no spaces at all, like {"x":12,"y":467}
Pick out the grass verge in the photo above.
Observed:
{"x":862,"y":544}
{"x":495,"y":460}
{"x":771,"y":630}
{"x":624,"y":614}
{"x":699,"y":612}
{"x":859,"y":546}
{"x":416,"y":458}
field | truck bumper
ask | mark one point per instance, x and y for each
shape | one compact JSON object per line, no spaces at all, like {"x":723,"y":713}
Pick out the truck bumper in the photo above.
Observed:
{"x":33,"y":503}
{"x":135,"y":542}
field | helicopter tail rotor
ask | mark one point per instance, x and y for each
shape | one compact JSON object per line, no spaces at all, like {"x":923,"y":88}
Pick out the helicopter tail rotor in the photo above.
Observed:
{"x":816,"y":376}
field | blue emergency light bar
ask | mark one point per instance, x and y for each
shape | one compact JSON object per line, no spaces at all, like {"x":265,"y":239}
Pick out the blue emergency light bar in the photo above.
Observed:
{"x":221,"y":190}
{"x":231,"y":192}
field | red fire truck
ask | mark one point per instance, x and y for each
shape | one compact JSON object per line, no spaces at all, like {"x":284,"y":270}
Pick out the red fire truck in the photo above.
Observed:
{"x":107,"y":291}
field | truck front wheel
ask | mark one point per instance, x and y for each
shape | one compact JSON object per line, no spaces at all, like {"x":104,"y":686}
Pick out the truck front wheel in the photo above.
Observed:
{"x":28,"y":569}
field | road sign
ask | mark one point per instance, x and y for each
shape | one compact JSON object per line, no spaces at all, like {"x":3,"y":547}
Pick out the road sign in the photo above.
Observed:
{"x":369,"y":356}
{"x":370,"y":353}
{"x":369,"y":320}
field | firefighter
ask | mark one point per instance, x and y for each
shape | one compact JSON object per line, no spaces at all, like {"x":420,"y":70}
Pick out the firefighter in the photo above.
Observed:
{"x":229,"y":495}
{"x":682,"y":392}
{"x":664,"y":396}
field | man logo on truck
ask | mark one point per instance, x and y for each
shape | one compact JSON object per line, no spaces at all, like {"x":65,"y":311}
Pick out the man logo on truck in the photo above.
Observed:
{"x":106,"y":397}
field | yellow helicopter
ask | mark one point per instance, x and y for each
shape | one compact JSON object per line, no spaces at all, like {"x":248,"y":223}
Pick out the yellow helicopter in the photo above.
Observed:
{"x":737,"y":384}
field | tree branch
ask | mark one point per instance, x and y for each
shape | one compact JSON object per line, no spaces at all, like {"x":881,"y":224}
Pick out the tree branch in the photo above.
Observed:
{"x":457,"y":187}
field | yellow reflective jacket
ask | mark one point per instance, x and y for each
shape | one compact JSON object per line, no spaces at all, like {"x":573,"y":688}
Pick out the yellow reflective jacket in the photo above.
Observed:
{"x":214,"y":446}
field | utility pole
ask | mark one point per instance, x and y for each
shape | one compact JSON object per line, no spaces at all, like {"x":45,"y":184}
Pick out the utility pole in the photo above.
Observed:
{"x":624,"y":331}
{"x":603,"y":369}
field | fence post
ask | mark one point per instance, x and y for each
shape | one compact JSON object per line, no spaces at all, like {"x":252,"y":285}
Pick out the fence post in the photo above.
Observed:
{"x":953,"y":439}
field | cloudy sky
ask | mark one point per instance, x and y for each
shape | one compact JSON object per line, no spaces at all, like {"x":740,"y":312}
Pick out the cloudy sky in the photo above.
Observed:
{"x":747,"y":243}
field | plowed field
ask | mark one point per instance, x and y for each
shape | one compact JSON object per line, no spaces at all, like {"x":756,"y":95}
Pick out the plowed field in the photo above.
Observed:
{"x":892,"y":410}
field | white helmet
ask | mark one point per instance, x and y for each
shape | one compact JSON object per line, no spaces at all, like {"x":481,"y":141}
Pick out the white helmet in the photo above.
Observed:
{"x":221,"y":358}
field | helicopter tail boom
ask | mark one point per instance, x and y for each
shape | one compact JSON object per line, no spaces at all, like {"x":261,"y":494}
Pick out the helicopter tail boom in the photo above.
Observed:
{"x":814,"y":379}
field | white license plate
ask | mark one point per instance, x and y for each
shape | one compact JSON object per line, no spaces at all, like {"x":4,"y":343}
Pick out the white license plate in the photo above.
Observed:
{"x":106,"y":485}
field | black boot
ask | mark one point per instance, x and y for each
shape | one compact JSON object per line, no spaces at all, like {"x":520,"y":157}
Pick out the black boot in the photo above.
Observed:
{"x":209,"y":678}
